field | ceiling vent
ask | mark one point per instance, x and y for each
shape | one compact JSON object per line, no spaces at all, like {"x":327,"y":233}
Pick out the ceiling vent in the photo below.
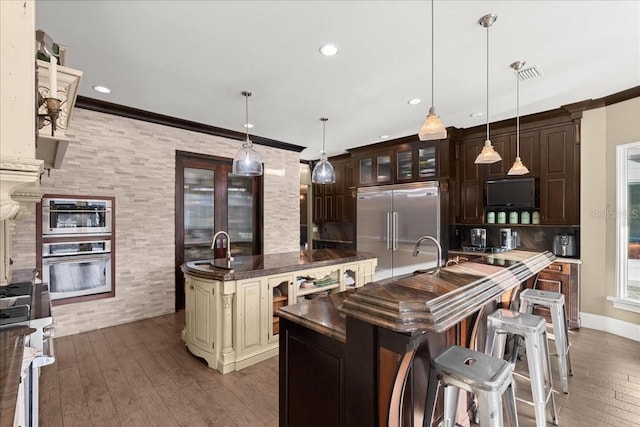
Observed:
{"x":529,"y":73}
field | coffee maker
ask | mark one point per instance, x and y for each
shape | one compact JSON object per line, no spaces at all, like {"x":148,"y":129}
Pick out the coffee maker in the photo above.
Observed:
{"x":479,"y":237}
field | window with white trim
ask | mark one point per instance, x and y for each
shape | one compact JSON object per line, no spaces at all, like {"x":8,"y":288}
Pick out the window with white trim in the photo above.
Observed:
{"x":628,"y":227}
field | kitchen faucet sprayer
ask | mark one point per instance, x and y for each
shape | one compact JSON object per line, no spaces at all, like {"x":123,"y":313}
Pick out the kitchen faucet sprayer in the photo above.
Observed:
{"x":228,"y":251}
{"x":416,"y":249}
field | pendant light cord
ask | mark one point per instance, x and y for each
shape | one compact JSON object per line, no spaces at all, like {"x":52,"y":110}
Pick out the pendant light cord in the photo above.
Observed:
{"x":324,"y":129}
{"x":246,"y":110}
{"x":487,"y":83}
{"x":518,"y":113}
{"x":432,"y":32}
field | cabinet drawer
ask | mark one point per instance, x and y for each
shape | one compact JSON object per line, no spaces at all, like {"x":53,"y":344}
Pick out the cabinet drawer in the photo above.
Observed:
{"x":549,"y":285}
{"x":558,"y":268}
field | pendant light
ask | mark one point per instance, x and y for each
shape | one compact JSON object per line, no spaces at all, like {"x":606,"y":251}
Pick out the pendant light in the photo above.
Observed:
{"x":518,"y":167}
{"x":323,"y":172}
{"x":488,"y":154}
{"x":247,"y":162}
{"x":432,"y":128}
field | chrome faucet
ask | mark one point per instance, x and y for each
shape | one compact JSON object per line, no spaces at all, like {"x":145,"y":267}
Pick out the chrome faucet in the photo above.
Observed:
{"x":416,"y":249}
{"x":228,"y":254}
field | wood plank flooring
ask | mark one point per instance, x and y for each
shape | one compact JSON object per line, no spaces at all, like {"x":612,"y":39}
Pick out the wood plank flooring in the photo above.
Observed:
{"x":140,"y":374}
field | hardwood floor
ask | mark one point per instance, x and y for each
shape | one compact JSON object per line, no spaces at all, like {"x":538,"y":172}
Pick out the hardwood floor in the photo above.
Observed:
{"x":141,"y":374}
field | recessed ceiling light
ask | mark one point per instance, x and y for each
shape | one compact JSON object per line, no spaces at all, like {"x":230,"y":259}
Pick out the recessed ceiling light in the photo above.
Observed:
{"x":101,"y":89}
{"x":478,"y":114}
{"x":414,"y":101}
{"x":384,"y":136}
{"x":328,"y":49}
{"x":248,"y":125}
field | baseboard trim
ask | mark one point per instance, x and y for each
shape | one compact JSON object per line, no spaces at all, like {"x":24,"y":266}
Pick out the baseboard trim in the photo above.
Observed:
{"x":610,"y":325}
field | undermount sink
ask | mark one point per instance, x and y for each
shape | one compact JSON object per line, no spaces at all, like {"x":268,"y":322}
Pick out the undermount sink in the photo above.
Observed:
{"x":427,"y":271}
{"x":15,"y":301}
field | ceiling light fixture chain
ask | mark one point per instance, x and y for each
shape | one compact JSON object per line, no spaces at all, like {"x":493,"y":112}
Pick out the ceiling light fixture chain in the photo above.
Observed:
{"x":488,"y":154}
{"x":247,"y":161}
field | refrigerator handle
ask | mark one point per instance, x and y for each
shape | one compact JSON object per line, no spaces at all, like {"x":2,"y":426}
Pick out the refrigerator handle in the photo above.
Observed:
{"x":395,"y":231}
{"x":388,"y":230}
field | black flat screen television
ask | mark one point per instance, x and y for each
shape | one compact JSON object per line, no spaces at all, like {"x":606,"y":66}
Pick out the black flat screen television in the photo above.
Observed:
{"x":517,"y":193}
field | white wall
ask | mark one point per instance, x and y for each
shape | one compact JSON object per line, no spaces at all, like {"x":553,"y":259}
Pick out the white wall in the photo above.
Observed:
{"x":135,"y":162}
{"x":602,"y":130}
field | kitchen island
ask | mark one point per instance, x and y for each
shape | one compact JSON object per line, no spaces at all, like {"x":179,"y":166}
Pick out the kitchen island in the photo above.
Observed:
{"x":370,"y":348}
{"x":229,"y":309}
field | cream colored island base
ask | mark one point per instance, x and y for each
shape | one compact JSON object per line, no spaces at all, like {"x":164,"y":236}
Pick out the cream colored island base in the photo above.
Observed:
{"x":231,"y":323}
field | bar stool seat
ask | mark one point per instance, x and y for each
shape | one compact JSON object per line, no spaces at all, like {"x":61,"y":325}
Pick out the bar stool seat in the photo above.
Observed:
{"x":489,"y":378}
{"x":554,"y":301}
{"x":533,"y":329}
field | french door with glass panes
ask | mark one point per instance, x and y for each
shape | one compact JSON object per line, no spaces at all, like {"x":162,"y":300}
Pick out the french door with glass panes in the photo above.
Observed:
{"x":209,"y":198}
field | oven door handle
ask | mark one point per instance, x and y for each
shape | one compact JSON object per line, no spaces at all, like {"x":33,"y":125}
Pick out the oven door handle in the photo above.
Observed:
{"x":74,"y":259}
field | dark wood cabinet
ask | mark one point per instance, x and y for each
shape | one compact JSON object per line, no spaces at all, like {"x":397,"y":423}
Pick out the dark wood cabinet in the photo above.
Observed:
{"x":404,"y":162}
{"x":335,"y":202}
{"x":471,"y":178}
{"x":564,"y":278}
{"x":559,"y":182}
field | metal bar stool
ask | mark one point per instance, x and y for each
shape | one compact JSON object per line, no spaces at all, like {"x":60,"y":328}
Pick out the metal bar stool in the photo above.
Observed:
{"x":486,"y":376}
{"x":554,"y":301}
{"x":533,"y":329}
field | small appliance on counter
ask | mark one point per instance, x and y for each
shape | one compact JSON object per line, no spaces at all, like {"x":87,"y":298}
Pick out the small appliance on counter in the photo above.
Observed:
{"x":506,"y":238}
{"x":564,"y":245}
{"x":479,"y":237}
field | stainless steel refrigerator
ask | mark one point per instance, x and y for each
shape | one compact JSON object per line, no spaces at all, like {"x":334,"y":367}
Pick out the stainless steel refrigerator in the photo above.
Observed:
{"x":391,"y":219}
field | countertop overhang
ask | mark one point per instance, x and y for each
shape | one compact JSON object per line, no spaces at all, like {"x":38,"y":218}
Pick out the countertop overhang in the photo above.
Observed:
{"x":422,"y":302}
{"x":245,"y":267}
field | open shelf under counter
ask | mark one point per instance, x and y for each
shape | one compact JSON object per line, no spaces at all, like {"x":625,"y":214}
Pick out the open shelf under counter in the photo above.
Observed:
{"x":307,"y":291}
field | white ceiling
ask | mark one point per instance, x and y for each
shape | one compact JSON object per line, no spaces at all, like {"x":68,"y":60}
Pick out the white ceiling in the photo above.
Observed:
{"x":191,"y":60}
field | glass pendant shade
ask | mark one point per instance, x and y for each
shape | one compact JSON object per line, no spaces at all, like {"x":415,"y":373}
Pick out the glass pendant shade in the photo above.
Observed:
{"x":488,"y":154}
{"x":323,"y":172}
{"x":432,"y":128}
{"x":247,"y":161}
{"x":518,"y":168}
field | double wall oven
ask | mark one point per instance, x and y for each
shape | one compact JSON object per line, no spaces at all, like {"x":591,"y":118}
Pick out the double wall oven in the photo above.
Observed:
{"x":77,"y":247}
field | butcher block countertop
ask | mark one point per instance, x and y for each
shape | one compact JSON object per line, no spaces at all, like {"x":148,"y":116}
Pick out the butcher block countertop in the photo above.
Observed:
{"x":245,"y":267}
{"x":429,"y":301}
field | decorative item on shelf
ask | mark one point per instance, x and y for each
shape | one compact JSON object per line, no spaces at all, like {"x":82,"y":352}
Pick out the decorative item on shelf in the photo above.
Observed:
{"x":513,"y":217}
{"x":525,"y":217}
{"x":323,"y":172}
{"x":432,"y":128}
{"x":535,"y":217}
{"x":247,"y":162}
{"x":491,"y":217}
{"x":57,"y":91}
{"x":502,"y":217}
{"x":488,"y":154}
{"x":518,"y":167}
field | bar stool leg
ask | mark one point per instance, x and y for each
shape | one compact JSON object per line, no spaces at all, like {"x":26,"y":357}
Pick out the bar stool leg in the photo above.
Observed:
{"x":559,"y":321}
{"x":539,"y":370}
{"x":490,"y":408}
{"x":554,"y":412}
{"x":451,"y":394}
{"x":509,"y":399}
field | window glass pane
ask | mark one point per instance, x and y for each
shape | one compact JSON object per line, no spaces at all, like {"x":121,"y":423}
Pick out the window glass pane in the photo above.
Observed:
{"x":240,"y":214}
{"x":384,"y":168}
{"x":427,"y":162}
{"x":198,"y":213}
{"x":633,"y":222}
{"x":366,"y":168}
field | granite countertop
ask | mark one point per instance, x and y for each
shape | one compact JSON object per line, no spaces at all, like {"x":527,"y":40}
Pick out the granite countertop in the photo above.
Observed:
{"x":426,"y":301}
{"x":12,"y":349}
{"x":245,"y":267}
{"x":558,"y":259}
{"x":333,"y":240}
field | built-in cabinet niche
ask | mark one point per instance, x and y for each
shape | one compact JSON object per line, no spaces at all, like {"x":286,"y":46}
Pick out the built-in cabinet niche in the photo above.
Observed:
{"x":551,"y":152}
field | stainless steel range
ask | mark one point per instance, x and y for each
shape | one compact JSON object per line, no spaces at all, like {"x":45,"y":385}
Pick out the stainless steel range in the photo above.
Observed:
{"x":29,"y":304}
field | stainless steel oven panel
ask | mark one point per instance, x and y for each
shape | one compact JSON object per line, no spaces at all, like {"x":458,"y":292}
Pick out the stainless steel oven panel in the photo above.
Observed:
{"x":76,"y":216}
{"x":76,"y":248}
{"x":77,"y":275}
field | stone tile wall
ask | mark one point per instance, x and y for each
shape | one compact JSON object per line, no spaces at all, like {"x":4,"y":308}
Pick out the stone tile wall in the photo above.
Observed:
{"x":135,"y":162}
